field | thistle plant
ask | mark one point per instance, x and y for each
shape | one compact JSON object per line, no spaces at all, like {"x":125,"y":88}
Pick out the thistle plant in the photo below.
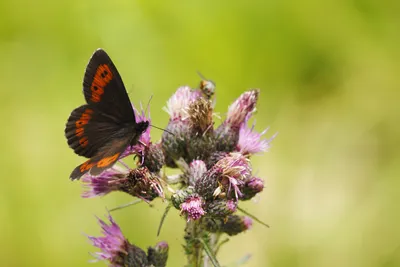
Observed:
{"x":216,"y":176}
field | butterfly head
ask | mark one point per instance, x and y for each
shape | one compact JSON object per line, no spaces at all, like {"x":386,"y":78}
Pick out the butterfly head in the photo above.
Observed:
{"x":142,"y":126}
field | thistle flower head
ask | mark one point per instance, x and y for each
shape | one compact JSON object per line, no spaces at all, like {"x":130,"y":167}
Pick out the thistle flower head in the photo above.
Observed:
{"x":251,"y":142}
{"x":192,"y":207}
{"x":115,"y":248}
{"x":200,"y":114}
{"x":244,"y":106}
{"x":143,"y":184}
{"x":233,"y":170}
{"x":180,"y":101}
{"x":108,"y":181}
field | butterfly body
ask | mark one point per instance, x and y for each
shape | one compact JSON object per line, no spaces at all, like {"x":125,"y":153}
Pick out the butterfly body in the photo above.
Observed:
{"x":103,"y":128}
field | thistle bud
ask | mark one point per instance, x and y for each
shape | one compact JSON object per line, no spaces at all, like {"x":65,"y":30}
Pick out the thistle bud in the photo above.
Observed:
{"x":174,"y":141}
{"x":236,"y":224}
{"x":221,"y":207}
{"x":158,"y":255}
{"x":251,"y":188}
{"x":180,"y":196}
{"x":196,"y":170}
{"x":153,"y":157}
{"x":231,"y":225}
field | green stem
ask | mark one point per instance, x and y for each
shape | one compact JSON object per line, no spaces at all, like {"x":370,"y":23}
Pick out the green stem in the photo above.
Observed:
{"x":194,"y":248}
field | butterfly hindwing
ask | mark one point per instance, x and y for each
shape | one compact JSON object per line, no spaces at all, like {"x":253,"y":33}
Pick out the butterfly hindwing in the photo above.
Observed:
{"x":88,"y":130}
{"x":104,"y":159}
{"x":103,"y":88}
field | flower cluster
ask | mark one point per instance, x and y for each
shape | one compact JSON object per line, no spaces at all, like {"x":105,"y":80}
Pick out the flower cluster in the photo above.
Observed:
{"x":216,"y":173}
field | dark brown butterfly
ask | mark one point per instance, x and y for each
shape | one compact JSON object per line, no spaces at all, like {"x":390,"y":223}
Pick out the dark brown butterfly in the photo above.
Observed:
{"x":104,"y":127}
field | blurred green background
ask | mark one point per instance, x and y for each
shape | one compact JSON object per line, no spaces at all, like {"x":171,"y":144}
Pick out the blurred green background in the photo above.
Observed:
{"x":329,"y":78}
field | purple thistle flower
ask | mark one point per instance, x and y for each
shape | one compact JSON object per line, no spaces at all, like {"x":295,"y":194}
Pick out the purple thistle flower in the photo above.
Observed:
{"x":238,"y":112}
{"x":235,"y":170}
{"x":225,"y":177}
{"x":144,"y":139}
{"x":244,"y":106}
{"x":250,"y":141}
{"x":192,"y":207}
{"x":108,"y":181}
{"x":115,"y":248}
{"x":179,"y":102}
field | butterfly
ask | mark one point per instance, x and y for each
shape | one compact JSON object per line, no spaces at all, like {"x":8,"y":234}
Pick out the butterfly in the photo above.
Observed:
{"x":103,"y":128}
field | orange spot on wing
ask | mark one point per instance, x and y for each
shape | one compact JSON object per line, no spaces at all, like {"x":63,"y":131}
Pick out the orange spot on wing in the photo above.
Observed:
{"x":86,"y":166}
{"x":83,"y":141}
{"x":84,"y":119}
{"x":79,"y":131}
{"x":101,"y":78}
{"x":107,"y":161}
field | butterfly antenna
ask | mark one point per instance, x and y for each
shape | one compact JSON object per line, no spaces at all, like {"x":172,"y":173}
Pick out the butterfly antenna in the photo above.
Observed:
{"x":161,"y":129}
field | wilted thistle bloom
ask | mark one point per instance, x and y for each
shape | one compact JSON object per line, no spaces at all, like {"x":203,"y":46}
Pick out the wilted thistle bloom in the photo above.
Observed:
{"x":108,"y":181}
{"x":225,"y":177}
{"x":138,"y":182}
{"x":115,"y":248}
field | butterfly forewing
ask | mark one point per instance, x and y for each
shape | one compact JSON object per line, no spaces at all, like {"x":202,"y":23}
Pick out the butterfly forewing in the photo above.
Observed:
{"x":103,"y":88}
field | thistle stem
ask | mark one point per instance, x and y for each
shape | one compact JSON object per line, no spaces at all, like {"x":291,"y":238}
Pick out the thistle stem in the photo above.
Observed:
{"x":194,"y":248}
